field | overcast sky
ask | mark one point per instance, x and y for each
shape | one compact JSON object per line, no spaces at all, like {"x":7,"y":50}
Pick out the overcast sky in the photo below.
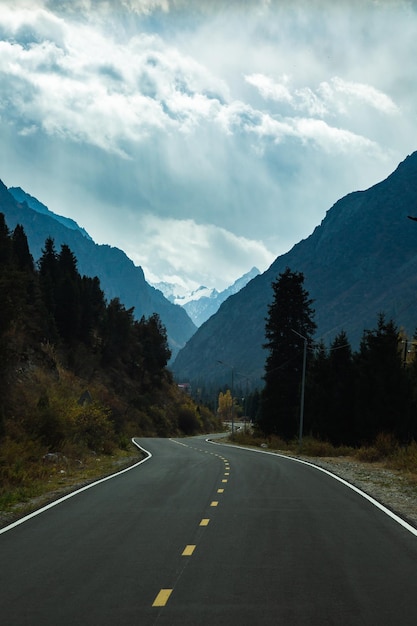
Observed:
{"x":204,"y":137}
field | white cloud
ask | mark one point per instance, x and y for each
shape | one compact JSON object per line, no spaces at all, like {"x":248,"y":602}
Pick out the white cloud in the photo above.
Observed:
{"x":270,"y":89}
{"x":168,"y":248}
{"x":236,"y":125}
{"x":91,"y":89}
{"x":329,"y":98}
{"x":340,"y":94}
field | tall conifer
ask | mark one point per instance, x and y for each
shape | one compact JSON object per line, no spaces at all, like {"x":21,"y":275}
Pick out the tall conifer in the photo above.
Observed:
{"x":289,"y":315}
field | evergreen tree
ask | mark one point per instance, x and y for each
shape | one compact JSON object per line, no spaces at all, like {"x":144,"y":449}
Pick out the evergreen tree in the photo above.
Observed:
{"x":67,"y":295}
{"x":22,"y":255}
{"x":383,"y":394}
{"x":290,"y":318}
{"x":153,"y":340}
{"x":117,"y":328}
{"x":317,"y":413}
{"x":330,"y":394}
{"x":341,"y":384}
{"x":48,"y":262}
{"x":411,"y":369}
{"x":48,"y":274}
{"x":5,"y":243}
{"x":6,"y":313}
{"x":93,"y":306}
{"x":253,"y":404}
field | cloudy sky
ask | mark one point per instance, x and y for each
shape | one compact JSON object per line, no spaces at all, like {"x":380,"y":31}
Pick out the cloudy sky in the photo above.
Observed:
{"x":204,"y":137}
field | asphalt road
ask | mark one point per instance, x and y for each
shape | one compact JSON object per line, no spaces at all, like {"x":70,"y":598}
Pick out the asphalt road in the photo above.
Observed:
{"x":202,"y":534}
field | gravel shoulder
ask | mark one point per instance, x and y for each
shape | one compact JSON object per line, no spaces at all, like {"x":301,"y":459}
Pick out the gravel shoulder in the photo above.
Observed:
{"x":394,"y":489}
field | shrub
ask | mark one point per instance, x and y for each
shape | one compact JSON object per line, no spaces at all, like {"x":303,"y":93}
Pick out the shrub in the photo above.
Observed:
{"x":93,"y":428}
{"x":369,"y":454}
{"x":405,"y":458}
{"x":316,"y":447}
{"x":384,"y":447}
{"x":386,"y":444}
{"x":188,"y":421}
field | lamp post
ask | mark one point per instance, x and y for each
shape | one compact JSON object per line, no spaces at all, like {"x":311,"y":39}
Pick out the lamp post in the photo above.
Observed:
{"x":233,"y":370}
{"x":303,"y":382}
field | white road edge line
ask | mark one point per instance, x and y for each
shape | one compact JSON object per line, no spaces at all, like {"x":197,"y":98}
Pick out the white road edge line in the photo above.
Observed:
{"x":74,"y":493}
{"x":372,"y":500}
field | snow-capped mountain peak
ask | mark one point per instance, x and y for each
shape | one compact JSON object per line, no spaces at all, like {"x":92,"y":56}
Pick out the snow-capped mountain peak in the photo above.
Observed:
{"x":203,"y":302}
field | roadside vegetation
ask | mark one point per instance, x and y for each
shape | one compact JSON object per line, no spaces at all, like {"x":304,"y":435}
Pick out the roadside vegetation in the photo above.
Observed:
{"x":359,"y":405}
{"x":385,"y":450}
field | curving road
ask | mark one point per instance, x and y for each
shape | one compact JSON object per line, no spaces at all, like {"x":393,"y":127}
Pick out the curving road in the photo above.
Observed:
{"x":204,"y":534}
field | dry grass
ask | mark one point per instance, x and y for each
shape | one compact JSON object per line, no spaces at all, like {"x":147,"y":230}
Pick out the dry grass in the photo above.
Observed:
{"x":28,"y":484}
{"x":385,"y":450}
{"x":309,"y":447}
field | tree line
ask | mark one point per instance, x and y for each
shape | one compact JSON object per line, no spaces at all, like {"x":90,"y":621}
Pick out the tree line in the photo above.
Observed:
{"x":52,"y":301}
{"x":350,"y":397}
{"x":58,"y":330}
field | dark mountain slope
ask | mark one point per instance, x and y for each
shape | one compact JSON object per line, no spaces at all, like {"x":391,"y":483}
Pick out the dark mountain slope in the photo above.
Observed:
{"x":361,"y":260}
{"x":118,"y":275}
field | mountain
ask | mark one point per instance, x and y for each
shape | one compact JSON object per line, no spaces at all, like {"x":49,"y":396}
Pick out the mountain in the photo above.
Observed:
{"x":178,"y":294}
{"x":22,"y":197}
{"x":118,"y":275}
{"x":204,"y":302}
{"x":360,"y":261}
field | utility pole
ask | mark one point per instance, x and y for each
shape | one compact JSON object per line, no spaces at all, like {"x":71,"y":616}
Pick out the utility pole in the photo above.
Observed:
{"x":303,"y":382}
{"x":232,"y":413}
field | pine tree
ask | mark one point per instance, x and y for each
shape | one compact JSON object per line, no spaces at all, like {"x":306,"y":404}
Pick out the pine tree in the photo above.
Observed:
{"x":290,"y":319}
{"x":383,"y":394}
{"x":5,"y":243}
{"x":93,"y":308}
{"x":152,"y":337}
{"x":22,"y":255}
{"x":67,"y":295}
{"x":341,"y":422}
{"x":330,"y":393}
{"x":317,"y":410}
{"x":48,"y":274}
{"x":116,"y":331}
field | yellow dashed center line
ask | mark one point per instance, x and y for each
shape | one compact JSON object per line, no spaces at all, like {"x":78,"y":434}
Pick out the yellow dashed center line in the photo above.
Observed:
{"x":164,"y":594}
{"x":162,"y":597}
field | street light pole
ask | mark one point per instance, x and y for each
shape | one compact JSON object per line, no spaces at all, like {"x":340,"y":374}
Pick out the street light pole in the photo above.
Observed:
{"x":232,"y":413}
{"x":233,"y":420}
{"x":303,"y":382}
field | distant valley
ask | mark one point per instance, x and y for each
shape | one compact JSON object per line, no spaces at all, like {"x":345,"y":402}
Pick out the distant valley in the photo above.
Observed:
{"x":359,"y":262}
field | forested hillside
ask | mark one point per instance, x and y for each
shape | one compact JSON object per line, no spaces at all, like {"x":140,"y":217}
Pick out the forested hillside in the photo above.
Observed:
{"x":78,"y":374}
{"x":118,"y":275}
